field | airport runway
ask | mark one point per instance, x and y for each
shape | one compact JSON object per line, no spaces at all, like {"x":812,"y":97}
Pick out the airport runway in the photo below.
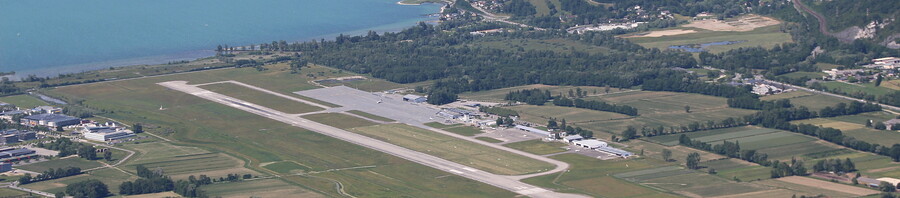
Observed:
{"x":506,"y":182}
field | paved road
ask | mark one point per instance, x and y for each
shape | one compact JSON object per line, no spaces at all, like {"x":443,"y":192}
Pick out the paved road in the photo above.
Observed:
{"x":889,"y":107}
{"x":500,"y":181}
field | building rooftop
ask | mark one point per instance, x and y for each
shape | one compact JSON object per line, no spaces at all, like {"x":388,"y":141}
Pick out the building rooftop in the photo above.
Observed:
{"x":533,"y":130}
{"x":615,"y":151}
{"x":892,"y":121}
{"x":51,"y":117}
{"x":592,"y":143}
{"x":11,"y":112}
{"x":410,"y":96}
{"x":573,"y":137}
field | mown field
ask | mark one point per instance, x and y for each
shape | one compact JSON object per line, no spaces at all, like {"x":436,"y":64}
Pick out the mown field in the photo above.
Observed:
{"x":868,"y":88}
{"x":593,"y":177}
{"x":454,"y":149}
{"x":807,"y":99}
{"x":257,"y":188}
{"x":196,"y":122}
{"x":766,"y":37}
{"x":261,"y":98}
{"x":540,"y":114}
{"x":111,"y":177}
{"x":854,"y":126}
{"x":74,"y":161}
{"x":778,"y":144}
{"x":23,"y":101}
{"x":538,"y":146}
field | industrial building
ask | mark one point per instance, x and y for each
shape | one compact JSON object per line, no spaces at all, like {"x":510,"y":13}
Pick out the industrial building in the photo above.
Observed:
{"x":9,"y":139}
{"x":591,"y":144}
{"x":50,"y":120}
{"x":7,"y":153}
{"x":106,"y":133}
{"x":533,"y":130}
{"x":8,"y":115}
{"x":47,"y":110}
{"x":573,"y":138}
{"x":615,"y":151}
{"x":4,"y":167}
{"x":11,"y":136}
{"x":414,"y":98}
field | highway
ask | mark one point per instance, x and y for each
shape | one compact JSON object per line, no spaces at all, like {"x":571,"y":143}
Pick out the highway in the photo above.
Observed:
{"x":510,"y":183}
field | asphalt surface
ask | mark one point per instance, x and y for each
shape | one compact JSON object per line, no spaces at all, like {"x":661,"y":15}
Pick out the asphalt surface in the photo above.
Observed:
{"x":506,"y":182}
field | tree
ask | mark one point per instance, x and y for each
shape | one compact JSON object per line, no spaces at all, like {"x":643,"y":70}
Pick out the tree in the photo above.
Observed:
{"x":59,"y":129}
{"x":880,"y":126}
{"x":552,"y":124}
{"x":878,"y":80}
{"x":693,"y":161}
{"x":137,"y":128}
{"x":90,"y":188}
{"x":107,"y":155}
{"x":687,"y":109}
{"x":629,"y":133}
{"x":667,"y":155}
{"x":887,"y":187}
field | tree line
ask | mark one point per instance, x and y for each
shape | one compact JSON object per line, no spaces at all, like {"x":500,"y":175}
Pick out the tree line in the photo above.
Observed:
{"x":595,"y":105}
{"x":733,"y":150}
{"x":499,"y":111}
{"x":67,"y":147}
{"x":50,"y":174}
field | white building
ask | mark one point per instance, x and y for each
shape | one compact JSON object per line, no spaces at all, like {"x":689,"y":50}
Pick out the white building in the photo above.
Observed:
{"x":573,"y":138}
{"x":591,"y":144}
{"x":108,"y":134}
{"x":414,"y":98}
{"x":534,"y":130}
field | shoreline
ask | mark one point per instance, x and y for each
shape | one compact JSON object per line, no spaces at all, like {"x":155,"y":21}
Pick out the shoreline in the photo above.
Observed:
{"x":192,"y":55}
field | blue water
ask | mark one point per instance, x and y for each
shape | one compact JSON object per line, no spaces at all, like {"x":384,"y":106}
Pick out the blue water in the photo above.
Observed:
{"x":46,"y":37}
{"x":702,"y":47}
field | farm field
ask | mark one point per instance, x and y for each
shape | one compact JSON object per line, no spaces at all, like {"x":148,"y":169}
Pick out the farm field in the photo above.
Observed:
{"x":854,"y":126}
{"x":807,"y":99}
{"x":539,"y":114}
{"x":591,"y":177}
{"x":261,"y":98}
{"x":498,"y":95}
{"x":891,"y":84}
{"x":780,"y":145}
{"x":730,"y":169}
{"x":815,"y":186}
{"x":868,"y":88}
{"x":538,"y":147}
{"x":285,"y":167}
{"x":192,"y":121}
{"x":766,"y":37}
{"x":257,"y":188}
{"x":23,"y":101}
{"x":453,"y":149}
{"x":154,"y":195}
{"x":111,"y":177}
{"x":799,"y":74}
{"x":73,"y":161}
{"x":211,"y":164}
{"x":369,"y":115}
{"x":339,"y":120}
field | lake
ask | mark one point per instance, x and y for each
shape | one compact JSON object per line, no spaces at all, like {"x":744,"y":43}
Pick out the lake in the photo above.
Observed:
{"x":47,"y":37}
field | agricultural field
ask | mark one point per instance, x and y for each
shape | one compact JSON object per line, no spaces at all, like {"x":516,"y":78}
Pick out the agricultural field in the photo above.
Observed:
{"x":891,"y":84}
{"x":778,"y":144}
{"x":261,"y":98}
{"x":339,"y":120}
{"x":766,"y":37}
{"x":23,"y":101}
{"x":453,"y":149}
{"x":370,"y":116}
{"x":868,"y":88}
{"x":538,"y":147}
{"x":854,"y":126}
{"x":73,"y":161}
{"x":154,"y":195}
{"x":592,"y":177}
{"x":540,"y":114}
{"x":211,"y":164}
{"x":810,"y":75}
{"x":192,"y":121}
{"x":732,"y":169}
{"x":663,"y":109}
{"x":9,"y":192}
{"x":809,"y":186}
{"x":257,"y":188}
{"x":285,"y":167}
{"x":498,"y":95}
{"x":111,"y":177}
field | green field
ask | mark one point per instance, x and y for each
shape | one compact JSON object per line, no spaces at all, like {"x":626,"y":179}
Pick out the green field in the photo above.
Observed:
{"x":193,"y":121}
{"x":61,"y":163}
{"x":111,"y":177}
{"x":807,"y":99}
{"x":9,"y":192}
{"x":370,"y":116}
{"x":441,"y":126}
{"x":23,"y":101}
{"x":257,"y":188}
{"x":211,"y":164}
{"x":261,"y":98}
{"x":779,"y":145}
{"x":464,"y":130}
{"x":538,"y":147}
{"x":854,"y":126}
{"x":868,"y":88}
{"x":592,"y":177}
{"x":810,"y":75}
{"x":540,"y":114}
{"x":498,"y":95}
{"x":766,"y":37}
{"x":285,"y":167}
{"x":339,"y":120}
{"x":456,"y":150}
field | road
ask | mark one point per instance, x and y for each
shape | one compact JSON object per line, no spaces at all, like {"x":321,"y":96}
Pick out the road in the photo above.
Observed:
{"x":889,"y":107}
{"x":505,"y":182}
{"x":491,"y":17}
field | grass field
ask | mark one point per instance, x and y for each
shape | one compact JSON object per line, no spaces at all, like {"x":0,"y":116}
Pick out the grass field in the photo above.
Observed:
{"x":538,"y":147}
{"x":777,"y":144}
{"x":257,"y":188}
{"x":155,"y":195}
{"x":807,"y":99}
{"x":23,"y":101}
{"x":339,"y":120}
{"x":441,"y":126}
{"x":854,"y":126}
{"x":9,"y":192}
{"x":261,"y":98}
{"x":456,"y":150}
{"x":196,"y":122}
{"x":285,"y":167}
{"x":497,"y":95}
{"x":61,"y":163}
{"x":464,"y":130}
{"x":592,"y":177}
{"x":868,"y":88}
{"x":891,"y":84}
{"x":540,"y":114}
{"x":111,"y":177}
{"x":211,"y":164}
{"x":766,"y":37}
{"x":370,"y":116}
{"x":810,"y":75}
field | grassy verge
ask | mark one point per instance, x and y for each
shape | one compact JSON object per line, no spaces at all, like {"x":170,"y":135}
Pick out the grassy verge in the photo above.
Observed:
{"x":261,"y":98}
{"x":370,"y":116}
{"x":339,"y":120}
{"x":538,"y":147}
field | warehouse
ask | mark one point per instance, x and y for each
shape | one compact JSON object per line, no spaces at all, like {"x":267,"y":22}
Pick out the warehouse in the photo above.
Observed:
{"x":615,"y":151}
{"x":573,"y":138}
{"x":591,"y":144}
{"x":107,"y":134}
{"x":414,"y":98}
{"x":533,"y":130}
{"x":50,"y":120}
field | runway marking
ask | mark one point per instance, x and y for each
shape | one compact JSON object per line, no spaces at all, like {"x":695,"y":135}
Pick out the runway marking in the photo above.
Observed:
{"x":470,"y":169}
{"x":531,"y":191}
{"x":456,"y":171}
